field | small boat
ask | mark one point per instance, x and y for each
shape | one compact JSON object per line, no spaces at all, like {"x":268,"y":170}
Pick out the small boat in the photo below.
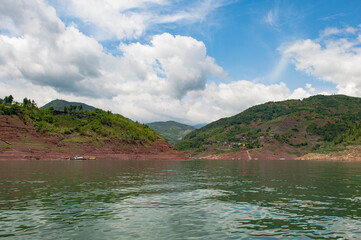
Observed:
{"x":83,"y":158}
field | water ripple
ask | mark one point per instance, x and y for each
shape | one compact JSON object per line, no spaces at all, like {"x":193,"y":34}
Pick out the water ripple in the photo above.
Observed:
{"x":181,"y":200}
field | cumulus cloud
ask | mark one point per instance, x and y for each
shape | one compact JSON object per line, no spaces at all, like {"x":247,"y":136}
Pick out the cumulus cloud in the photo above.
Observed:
{"x":165,"y":78}
{"x":209,"y":104}
{"x":45,"y":51}
{"x":51,"y":54}
{"x":334,"y":57}
{"x":171,"y":65}
{"x":227,"y":99}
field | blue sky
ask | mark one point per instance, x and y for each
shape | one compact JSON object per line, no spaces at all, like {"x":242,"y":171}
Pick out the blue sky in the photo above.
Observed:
{"x":244,"y":37}
{"x":189,"y":61}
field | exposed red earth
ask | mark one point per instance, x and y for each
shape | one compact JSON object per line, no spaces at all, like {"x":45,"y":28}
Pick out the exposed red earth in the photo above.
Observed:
{"x":351,"y":153}
{"x":283,"y":151}
{"x":19,"y":141}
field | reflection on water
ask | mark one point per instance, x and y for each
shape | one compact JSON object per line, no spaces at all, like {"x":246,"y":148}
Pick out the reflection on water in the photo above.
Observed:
{"x":195,"y":199}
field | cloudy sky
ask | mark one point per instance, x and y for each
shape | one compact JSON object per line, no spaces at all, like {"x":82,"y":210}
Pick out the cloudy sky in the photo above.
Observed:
{"x":189,"y":61}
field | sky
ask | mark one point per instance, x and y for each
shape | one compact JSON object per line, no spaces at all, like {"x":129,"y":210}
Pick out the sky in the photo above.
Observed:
{"x":188,"y":61}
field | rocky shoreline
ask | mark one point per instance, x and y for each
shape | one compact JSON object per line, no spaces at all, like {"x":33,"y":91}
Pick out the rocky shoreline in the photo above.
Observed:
{"x":352,"y":153}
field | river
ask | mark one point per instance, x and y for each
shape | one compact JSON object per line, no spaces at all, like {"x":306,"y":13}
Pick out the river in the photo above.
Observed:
{"x":194,"y":199}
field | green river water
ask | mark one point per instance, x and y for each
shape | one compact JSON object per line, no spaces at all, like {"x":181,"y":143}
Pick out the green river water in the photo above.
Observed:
{"x":195,"y":199}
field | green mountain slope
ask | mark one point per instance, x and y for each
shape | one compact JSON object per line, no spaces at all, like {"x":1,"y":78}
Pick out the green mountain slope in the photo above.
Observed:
{"x":317,"y":122}
{"x":59,"y":105}
{"x":171,"y":130}
{"x":82,"y":125}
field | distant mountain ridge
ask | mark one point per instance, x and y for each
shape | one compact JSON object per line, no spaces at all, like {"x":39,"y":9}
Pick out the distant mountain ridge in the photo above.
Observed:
{"x":199,"y":125}
{"x":59,"y":105}
{"x":291,"y":128}
{"x":171,"y":130}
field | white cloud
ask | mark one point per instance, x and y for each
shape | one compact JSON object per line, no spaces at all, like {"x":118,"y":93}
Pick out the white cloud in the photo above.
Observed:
{"x":333,"y":16}
{"x":167,"y":78}
{"x":209,"y":104}
{"x":44,"y":51}
{"x":171,"y":64}
{"x":330,"y":31}
{"x":335,"y":59}
{"x":271,"y":18}
{"x":124,"y":19}
{"x":227,"y":99}
{"x":300,"y":93}
{"x":35,"y":18}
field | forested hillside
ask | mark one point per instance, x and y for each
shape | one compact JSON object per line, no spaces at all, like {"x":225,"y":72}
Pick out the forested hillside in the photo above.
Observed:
{"x":96,"y":123}
{"x":29,"y":132}
{"x":315,"y":123}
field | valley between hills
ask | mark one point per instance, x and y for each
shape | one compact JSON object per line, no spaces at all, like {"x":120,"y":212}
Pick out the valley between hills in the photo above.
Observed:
{"x":316,"y":128}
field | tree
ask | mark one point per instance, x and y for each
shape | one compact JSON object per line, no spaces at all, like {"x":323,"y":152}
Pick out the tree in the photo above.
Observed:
{"x":72,"y":108}
{"x":26,"y":102}
{"x":65,"y":109}
{"x":33,"y":103}
{"x":9,"y":99}
{"x":80,"y":108}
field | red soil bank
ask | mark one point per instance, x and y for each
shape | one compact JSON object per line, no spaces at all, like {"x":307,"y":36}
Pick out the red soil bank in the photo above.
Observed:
{"x":19,"y":141}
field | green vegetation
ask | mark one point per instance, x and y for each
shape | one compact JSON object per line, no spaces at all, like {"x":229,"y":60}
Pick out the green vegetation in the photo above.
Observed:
{"x":305,"y":125}
{"x":329,"y":148}
{"x":62,"y":105}
{"x":172,"y":131}
{"x":82,"y":123}
{"x":351,"y":136}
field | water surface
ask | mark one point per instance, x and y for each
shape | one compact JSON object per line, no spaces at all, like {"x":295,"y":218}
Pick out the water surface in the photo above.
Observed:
{"x":197,"y":199}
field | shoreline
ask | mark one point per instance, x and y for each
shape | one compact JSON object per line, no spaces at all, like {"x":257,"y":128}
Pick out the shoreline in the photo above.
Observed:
{"x":351,"y":154}
{"x":121,"y":154}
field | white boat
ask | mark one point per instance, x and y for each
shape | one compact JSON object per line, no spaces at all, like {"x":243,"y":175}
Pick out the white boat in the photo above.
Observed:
{"x":83,"y":158}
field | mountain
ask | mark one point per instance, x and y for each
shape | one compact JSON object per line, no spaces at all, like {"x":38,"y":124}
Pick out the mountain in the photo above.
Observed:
{"x":286,"y":129}
{"x":28,"y":132}
{"x":199,"y":125}
{"x":59,"y":105}
{"x":171,"y":130}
